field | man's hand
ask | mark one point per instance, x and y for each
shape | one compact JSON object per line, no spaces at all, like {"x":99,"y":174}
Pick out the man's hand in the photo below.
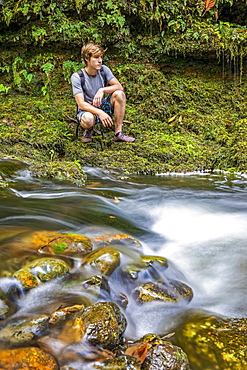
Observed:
{"x":105,"y":119}
{"x":98,"y":98}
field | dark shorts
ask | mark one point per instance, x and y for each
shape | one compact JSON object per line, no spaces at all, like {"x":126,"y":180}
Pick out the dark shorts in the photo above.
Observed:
{"x":105,"y":106}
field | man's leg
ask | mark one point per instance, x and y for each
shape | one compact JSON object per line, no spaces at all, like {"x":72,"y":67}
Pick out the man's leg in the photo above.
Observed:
{"x":87,"y":122}
{"x":118,"y":102}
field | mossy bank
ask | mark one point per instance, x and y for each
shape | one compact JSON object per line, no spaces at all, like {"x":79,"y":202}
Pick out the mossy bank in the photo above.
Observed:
{"x":184,"y":114}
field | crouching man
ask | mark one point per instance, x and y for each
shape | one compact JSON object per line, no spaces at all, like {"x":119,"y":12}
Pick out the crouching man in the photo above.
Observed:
{"x":89,"y":86}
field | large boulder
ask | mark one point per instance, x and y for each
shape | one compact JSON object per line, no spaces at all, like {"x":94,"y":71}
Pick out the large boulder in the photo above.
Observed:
{"x":214,"y":343}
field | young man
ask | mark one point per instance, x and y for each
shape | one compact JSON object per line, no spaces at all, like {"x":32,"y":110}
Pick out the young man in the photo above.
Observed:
{"x":98,"y":80}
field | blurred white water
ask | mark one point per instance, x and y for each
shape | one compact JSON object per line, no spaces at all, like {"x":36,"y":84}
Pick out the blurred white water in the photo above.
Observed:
{"x":208,"y":245}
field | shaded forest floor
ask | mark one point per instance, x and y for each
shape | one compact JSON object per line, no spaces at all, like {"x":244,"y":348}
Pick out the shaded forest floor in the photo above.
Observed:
{"x":184,"y":115}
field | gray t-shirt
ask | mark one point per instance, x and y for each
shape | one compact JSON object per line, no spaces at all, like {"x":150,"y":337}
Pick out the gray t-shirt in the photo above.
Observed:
{"x":92,"y":83}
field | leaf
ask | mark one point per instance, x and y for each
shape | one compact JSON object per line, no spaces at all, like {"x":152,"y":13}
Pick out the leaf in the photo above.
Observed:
{"x":209,"y":4}
{"x":93,"y":185}
{"x":172,"y":119}
{"x":180,"y":119}
{"x":138,"y":350}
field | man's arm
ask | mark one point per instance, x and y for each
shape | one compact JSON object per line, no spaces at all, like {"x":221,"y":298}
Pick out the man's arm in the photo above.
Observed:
{"x":103,"y":116}
{"x":114,"y":86}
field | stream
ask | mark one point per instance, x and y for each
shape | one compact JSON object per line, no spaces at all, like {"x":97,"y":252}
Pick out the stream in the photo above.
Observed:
{"x":198,"y":221}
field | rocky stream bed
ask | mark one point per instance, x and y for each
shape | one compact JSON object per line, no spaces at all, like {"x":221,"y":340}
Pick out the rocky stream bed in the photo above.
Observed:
{"x":85,"y":288}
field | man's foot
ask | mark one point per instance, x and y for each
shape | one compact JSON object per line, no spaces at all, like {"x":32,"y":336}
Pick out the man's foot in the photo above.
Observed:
{"x":87,"y":136}
{"x":120,"y":136}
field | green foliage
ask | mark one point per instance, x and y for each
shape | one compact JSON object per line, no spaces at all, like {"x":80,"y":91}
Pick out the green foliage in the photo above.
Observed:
{"x":174,"y":25}
{"x":134,"y":30}
{"x":70,"y":67}
{"x":4,"y":89}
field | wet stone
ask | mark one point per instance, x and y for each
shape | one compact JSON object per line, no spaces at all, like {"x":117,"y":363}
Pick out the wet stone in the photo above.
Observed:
{"x":26,"y":358}
{"x":105,"y":260}
{"x":23,"y":332}
{"x":66,"y":313}
{"x":96,"y":284}
{"x":103,"y":324}
{"x":165,"y":356}
{"x":214,"y":343}
{"x":173,"y":291}
{"x":40,"y":271}
{"x":151,"y":260}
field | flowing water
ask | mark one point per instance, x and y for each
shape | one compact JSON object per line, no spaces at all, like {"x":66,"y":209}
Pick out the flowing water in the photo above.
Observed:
{"x":197,"y":221}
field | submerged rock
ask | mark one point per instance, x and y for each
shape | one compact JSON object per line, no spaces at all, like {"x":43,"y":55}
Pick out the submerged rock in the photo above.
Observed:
{"x":105,"y":259}
{"x":26,"y":358}
{"x":214,"y":343}
{"x":117,"y":239}
{"x":40,"y":271}
{"x":23,"y":332}
{"x":173,"y":291}
{"x":103,"y":324}
{"x":66,"y":313}
{"x":4,"y":308}
{"x":119,"y":363}
{"x":148,"y":266}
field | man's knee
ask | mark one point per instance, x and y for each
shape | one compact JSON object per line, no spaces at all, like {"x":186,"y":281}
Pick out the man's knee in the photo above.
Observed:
{"x":87,"y":120}
{"x":119,"y":96}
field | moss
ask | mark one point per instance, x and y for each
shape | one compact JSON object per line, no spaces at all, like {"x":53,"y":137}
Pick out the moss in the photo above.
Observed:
{"x":59,"y":248}
{"x":184,"y":119}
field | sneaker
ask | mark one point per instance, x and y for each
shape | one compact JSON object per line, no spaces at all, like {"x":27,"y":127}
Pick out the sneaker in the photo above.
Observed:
{"x":120,"y":136}
{"x":87,"y":136}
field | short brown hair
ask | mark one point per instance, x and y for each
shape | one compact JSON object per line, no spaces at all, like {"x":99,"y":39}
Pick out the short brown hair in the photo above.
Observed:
{"x":91,"y":49}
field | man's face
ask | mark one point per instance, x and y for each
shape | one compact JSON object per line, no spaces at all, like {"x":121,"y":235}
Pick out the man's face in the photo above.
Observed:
{"x":95,"y":61}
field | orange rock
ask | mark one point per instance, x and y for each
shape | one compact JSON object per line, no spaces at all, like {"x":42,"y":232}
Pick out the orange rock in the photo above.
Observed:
{"x":27,"y":358}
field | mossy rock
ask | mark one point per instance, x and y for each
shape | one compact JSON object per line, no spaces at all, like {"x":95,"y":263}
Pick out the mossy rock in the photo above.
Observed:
{"x":27,"y":358}
{"x":103,"y":324}
{"x":52,"y":242}
{"x":40,"y":271}
{"x":214,"y":343}
{"x":59,"y":170}
{"x":173,"y":291}
{"x":23,"y":332}
{"x":105,"y":259}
